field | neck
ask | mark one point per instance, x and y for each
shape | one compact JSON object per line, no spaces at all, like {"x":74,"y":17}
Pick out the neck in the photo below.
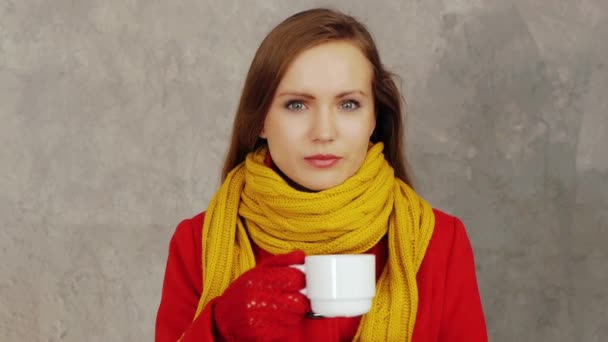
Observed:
{"x":290,"y":181}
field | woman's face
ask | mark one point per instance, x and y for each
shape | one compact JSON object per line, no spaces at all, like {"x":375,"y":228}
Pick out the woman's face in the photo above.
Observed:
{"x":322,"y":116}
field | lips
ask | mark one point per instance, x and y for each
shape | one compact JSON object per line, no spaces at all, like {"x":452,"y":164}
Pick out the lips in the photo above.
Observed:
{"x":322,"y":161}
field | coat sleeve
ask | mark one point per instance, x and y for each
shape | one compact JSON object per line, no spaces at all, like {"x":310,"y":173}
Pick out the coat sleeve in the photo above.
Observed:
{"x":182,"y":288}
{"x":462,"y":317}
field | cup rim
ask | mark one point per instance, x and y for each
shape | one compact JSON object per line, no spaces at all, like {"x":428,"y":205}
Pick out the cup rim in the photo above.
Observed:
{"x":341,"y":256}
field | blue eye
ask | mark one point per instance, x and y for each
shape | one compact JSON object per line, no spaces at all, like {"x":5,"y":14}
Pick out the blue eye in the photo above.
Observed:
{"x":295,"y":105}
{"x":350,"y":105}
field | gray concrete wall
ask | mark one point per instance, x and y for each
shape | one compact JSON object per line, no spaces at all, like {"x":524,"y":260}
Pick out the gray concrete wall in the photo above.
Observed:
{"x":115,"y":117}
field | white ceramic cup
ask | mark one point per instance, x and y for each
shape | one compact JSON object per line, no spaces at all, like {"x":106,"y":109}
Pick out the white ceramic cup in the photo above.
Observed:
{"x":341,"y":285}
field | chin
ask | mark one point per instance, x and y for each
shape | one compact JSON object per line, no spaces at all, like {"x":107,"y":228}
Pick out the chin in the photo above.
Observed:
{"x":320,"y":186}
{"x":316,"y":188}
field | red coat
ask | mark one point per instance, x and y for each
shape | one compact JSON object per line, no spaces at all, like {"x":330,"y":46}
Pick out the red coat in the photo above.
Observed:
{"x":449,"y":306}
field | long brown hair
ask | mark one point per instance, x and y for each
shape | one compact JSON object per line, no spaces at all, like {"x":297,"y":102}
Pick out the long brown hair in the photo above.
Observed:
{"x":295,"y":34}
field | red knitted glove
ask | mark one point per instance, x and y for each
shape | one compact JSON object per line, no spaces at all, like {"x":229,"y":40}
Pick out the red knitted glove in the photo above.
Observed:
{"x":265,"y":302}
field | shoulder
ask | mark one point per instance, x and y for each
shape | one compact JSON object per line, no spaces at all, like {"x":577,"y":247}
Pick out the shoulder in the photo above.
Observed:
{"x":447,"y":226}
{"x":188,"y":234}
{"x":189,"y":227}
{"x":448,"y":249}
{"x":449,"y":235}
{"x":449,"y":305}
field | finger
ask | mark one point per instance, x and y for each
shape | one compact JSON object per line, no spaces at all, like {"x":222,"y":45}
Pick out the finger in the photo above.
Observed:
{"x":294,"y":303}
{"x":292,"y":280}
{"x":278,"y":279}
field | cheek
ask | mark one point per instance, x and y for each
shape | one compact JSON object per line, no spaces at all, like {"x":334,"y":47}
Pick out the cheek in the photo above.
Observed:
{"x":283,"y":135}
{"x":281,"y":127}
{"x":359,"y":138}
{"x":282,"y":142}
{"x":359,"y":130}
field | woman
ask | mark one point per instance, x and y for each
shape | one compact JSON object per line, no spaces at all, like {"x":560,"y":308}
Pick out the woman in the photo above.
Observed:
{"x":316,"y":166}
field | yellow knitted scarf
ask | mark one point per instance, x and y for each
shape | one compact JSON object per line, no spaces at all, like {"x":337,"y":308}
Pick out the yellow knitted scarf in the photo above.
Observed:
{"x":349,"y":218}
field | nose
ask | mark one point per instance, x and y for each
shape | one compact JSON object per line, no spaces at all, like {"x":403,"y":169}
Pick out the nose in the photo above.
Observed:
{"x":323,"y":125}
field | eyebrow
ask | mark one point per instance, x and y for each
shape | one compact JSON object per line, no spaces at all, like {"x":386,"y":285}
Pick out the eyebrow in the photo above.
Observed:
{"x":309,"y":96}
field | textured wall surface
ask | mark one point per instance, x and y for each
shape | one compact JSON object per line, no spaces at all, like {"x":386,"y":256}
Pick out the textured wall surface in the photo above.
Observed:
{"x":115,"y":117}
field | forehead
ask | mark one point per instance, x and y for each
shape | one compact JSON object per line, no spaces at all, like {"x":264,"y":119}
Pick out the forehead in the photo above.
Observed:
{"x":332,"y":66}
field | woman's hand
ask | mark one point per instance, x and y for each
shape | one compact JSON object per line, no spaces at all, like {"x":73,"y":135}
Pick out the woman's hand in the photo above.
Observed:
{"x":264,"y":302}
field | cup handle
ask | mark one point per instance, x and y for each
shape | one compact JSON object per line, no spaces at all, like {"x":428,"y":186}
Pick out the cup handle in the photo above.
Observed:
{"x":303,"y":291}
{"x":301,"y":268}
